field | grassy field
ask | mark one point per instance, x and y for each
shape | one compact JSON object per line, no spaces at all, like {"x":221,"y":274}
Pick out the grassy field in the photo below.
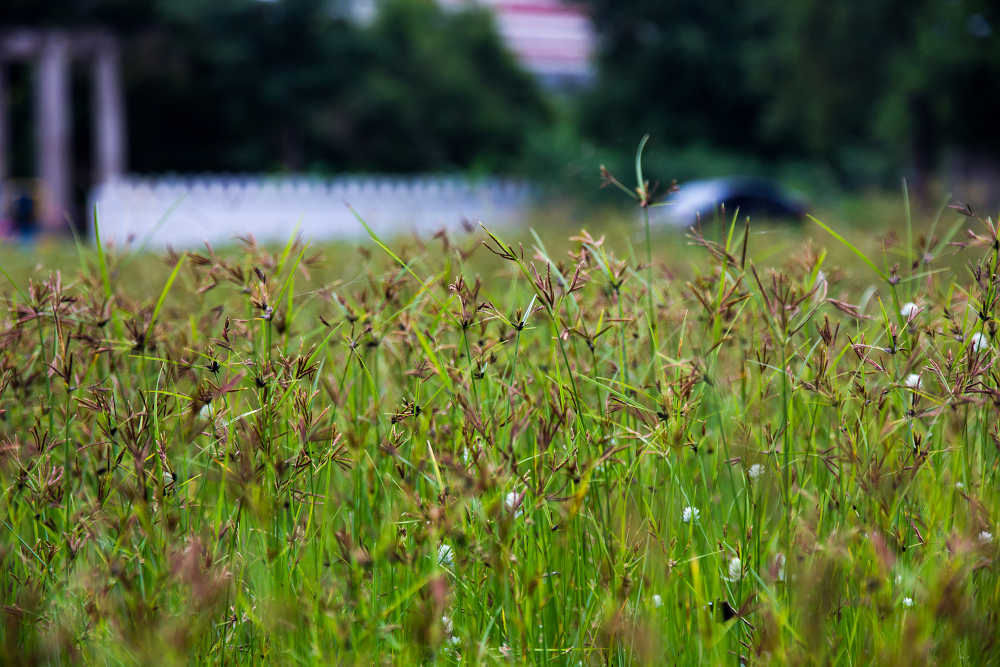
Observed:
{"x":765,"y":445}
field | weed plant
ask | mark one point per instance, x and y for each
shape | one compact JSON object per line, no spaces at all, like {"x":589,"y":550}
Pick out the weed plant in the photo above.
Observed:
{"x":473,"y":450}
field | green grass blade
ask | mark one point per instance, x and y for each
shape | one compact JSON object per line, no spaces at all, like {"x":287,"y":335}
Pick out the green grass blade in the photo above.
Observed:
{"x":102,"y":261}
{"x":163,"y":294}
{"x":850,"y":246}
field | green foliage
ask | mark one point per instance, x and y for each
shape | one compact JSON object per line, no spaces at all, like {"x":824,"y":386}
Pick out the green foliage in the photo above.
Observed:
{"x":827,"y":66}
{"x":944,"y":87}
{"x":866,"y":88}
{"x":818,"y":93}
{"x":238,"y":85}
{"x":677,"y":69}
{"x":243,"y":85}
{"x":443,"y":94}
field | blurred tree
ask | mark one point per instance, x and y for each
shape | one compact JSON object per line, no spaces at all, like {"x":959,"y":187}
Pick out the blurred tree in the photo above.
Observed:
{"x":237,"y":84}
{"x":863,"y":87}
{"x":676,"y":69}
{"x":443,"y":92}
{"x":245,"y":85}
{"x":122,"y":14}
{"x":944,"y":98}
{"x":825,"y":71}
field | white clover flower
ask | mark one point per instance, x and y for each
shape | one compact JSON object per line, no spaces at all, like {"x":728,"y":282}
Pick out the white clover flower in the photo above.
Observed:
{"x":447,"y":625}
{"x":986,"y":537}
{"x":735,"y":569}
{"x":657,"y":600}
{"x":690,"y":514}
{"x":511,"y":501}
{"x":446,"y":555}
{"x":755,"y":471}
{"x":907,"y":602}
{"x":979,"y":342}
{"x":913,"y":381}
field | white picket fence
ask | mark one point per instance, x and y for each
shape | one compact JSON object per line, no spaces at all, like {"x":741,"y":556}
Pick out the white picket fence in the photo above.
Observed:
{"x":185,"y":212}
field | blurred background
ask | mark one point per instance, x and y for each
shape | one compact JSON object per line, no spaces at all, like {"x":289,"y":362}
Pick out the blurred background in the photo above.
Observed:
{"x":825,"y":99}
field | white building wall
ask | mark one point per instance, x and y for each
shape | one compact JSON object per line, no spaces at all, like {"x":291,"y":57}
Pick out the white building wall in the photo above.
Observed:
{"x":186,"y":212}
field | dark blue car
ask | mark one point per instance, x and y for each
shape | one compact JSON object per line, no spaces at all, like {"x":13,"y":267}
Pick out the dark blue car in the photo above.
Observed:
{"x":703,"y":201}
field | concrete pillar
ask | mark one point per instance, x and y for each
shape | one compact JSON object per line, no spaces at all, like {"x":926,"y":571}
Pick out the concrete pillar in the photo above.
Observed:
{"x":4,"y":145}
{"x":4,"y":142}
{"x":109,"y":113}
{"x":52,"y":113}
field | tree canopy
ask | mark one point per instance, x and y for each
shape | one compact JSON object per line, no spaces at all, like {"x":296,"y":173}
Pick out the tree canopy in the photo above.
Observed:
{"x":244,"y":85}
{"x":860,"y":90}
{"x":864,"y":87}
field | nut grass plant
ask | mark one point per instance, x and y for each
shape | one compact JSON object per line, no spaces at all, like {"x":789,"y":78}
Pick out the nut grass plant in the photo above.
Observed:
{"x":473,"y":449}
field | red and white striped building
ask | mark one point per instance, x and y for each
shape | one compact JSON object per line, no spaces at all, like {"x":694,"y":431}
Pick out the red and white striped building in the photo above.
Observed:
{"x":553,"y":39}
